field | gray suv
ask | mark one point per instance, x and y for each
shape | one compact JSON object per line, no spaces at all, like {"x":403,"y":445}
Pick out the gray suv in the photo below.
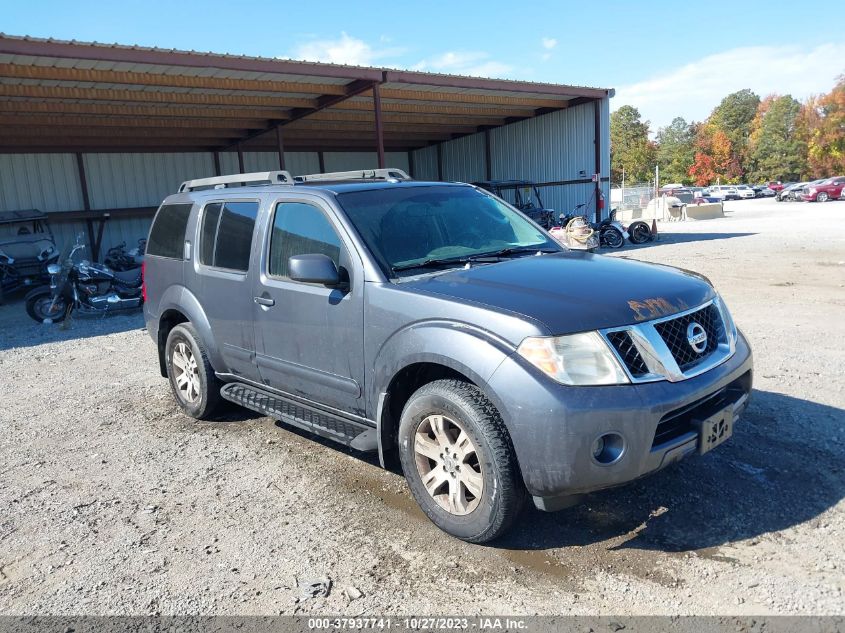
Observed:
{"x":436,"y":324}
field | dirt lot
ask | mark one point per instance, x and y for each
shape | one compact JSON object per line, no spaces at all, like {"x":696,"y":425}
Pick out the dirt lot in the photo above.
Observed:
{"x":112,"y":502}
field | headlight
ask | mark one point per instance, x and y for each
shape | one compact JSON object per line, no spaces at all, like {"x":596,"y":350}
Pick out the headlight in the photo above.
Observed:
{"x":53,"y":269}
{"x":575,"y":359}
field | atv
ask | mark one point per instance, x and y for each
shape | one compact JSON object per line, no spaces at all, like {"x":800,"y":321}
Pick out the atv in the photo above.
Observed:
{"x":27,"y":247}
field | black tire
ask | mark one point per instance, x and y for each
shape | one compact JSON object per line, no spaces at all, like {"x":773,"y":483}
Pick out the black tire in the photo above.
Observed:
{"x":822,"y":197}
{"x":639,"y":232}
{"x":503,"y":493}
{"x":611,"y":237}
{"x":38,"y":303}
{"x":207,"y":387}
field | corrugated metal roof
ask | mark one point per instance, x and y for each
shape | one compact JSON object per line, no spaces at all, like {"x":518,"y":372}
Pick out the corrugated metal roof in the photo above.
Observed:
{"x":97,"y":88}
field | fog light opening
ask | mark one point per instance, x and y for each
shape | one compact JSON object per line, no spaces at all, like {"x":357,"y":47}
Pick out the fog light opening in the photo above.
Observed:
{"x":608,"y":448}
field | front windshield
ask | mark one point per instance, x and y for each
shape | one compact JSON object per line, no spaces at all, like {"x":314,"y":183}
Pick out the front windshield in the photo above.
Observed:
{"x":404,"y":226}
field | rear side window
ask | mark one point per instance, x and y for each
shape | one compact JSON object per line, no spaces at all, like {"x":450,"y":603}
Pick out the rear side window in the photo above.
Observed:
{"x":167,"y":236}
{"x":226,"y":234}
{"x":300,"y":229}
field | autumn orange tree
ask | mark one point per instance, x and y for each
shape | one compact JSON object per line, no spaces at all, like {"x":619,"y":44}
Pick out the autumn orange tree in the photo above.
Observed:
{"x":826,"y":134}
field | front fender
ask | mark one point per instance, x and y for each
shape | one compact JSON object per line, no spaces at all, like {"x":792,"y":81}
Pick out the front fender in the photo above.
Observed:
{"x":40,"y":290}
{"x":467,"y":349}
{"x":183,"y":300}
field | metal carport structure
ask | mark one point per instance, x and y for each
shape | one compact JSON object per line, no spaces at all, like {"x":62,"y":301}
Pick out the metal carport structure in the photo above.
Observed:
{"x":119,"y":126}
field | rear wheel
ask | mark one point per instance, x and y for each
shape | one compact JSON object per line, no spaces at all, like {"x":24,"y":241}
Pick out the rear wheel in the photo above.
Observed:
{"x":822,"y":197}
{"x":191,"y":376}
{"x":612,"y":237}
{"x":457,"y":458}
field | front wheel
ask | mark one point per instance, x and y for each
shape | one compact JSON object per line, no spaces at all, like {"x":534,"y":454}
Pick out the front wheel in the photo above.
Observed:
{"x":612,"y":237}
{"x":42,"y":307}
{"x":458,"y":460}
{"x":822,"y":197}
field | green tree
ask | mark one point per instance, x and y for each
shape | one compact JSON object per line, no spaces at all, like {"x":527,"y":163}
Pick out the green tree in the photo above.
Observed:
{"x":775,"y":150}
{"x":734,"y":117}
{"x":630,"y":148}
{"x":676,"y":150}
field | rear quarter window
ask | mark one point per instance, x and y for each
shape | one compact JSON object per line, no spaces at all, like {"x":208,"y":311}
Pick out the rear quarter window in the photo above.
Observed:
{"x":167,"y":235}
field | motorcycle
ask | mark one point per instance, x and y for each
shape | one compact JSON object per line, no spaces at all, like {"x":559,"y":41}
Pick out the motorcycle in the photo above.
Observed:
{"x":78,"y":284}
{"x":118,"y":259}
{"x":611,"y":233}
{"x":638,"y":231}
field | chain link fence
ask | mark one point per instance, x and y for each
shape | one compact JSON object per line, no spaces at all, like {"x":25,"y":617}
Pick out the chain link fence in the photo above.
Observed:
{"x":632,"y":199}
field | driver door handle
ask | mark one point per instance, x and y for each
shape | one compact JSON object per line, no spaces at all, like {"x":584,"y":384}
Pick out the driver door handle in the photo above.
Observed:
{"x":265,"y":301}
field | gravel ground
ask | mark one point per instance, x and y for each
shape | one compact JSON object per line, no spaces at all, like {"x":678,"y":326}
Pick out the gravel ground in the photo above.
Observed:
{"x":113,"y":502}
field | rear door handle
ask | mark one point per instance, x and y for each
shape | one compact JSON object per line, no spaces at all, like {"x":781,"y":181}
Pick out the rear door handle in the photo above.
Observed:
{"x":265,"y":301}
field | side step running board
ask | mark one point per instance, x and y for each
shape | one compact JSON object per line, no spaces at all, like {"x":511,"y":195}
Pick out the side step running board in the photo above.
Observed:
{"x":358,"y":435}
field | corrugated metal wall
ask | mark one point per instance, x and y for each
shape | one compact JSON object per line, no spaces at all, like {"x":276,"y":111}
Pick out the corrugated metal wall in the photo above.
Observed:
{"x":425,"y":163}
{"x":553,"y":147}
{"x":48,"y":182}
{"x":464,"y":160}
{"x":348,"y":161}
{"x":140,"y":180}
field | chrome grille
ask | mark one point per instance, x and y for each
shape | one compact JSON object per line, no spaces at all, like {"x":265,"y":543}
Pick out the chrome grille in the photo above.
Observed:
{"x":624,"y":346}
{"x":660,"y":349}
{"x":674,"y":334}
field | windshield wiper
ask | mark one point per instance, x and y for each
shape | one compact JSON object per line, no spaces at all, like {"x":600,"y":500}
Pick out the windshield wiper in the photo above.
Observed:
{"x":511,"y":250}
{"x":480,"y":257}
{"x":428,"y":263}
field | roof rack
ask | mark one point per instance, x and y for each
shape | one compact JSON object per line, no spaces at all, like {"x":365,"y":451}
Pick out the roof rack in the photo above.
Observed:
{"x":391,"y":173}
{"x":237,"y":180}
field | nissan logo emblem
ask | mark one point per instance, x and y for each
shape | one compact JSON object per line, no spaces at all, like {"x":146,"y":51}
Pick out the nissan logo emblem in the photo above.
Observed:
{"x":696,"y":337}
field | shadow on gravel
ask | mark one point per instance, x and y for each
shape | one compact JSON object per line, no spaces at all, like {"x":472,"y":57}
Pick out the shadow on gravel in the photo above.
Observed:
{"x":770,"y":476}
{"x":18,"y":330}
{"x":667,"y":237}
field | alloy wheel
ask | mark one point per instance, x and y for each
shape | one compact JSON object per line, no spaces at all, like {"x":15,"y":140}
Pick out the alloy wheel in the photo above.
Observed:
{"x":447,"y":462}
{"x":186,"y":372}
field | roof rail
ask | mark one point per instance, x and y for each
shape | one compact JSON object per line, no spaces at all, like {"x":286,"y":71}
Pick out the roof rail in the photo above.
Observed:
{"x":391,"y":173}
{"x":236,"y":180}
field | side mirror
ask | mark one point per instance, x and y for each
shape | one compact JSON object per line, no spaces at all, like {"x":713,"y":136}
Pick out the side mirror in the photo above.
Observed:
{"x":313,"y":269}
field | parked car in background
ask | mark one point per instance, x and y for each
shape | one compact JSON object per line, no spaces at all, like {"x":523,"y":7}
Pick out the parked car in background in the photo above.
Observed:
{"x":764,"y":192}
{"x":787,"y":192}
{"x":724,"y":192}
{"x":745,"y":192}
{"x":823,"y":191}
{"x":702,"y":196}
{"x":776,"y":185}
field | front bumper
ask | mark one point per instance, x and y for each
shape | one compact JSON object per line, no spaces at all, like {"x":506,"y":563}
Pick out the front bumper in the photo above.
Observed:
{"x":553,"y":427}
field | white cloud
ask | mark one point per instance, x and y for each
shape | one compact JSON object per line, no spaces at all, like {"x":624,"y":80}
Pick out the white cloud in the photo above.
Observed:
{"x":473,"y":63}
{"x":693,"y":90}
{"x":549,"y":43}
{"x":344,"y":50}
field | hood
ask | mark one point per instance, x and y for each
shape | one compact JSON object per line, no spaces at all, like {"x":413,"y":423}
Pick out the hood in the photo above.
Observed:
{"x":573,"y":291}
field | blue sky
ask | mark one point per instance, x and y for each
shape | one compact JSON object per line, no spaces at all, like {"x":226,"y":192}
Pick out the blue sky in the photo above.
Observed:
{"x":667,"y":58}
